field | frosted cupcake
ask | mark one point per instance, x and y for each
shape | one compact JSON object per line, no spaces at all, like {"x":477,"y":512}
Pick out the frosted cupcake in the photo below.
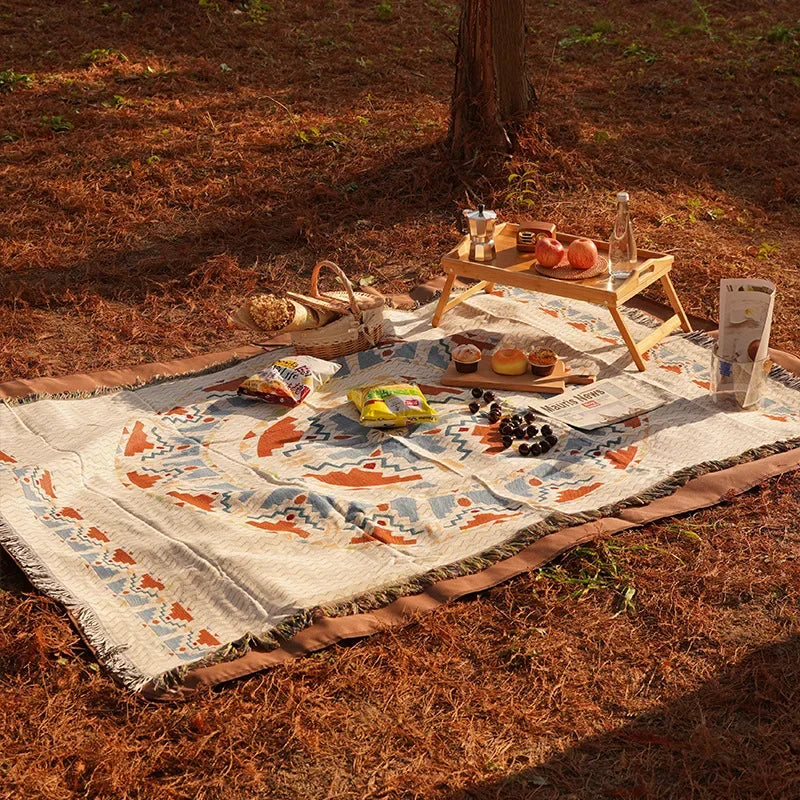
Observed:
{"x":543,"y":361}
{"x":466,"y":357}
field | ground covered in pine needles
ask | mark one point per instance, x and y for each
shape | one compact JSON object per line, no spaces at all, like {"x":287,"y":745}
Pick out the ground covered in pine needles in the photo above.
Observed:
{"x":161,"y":161}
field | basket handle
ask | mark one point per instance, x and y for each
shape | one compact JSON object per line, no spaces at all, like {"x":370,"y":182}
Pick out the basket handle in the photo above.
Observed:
{"x":343,"y":279}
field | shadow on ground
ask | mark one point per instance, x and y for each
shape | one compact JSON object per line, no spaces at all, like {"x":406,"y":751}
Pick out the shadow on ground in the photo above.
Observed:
{"x":11,"y":576}
{"x":737,"y":736}
{"x":307,"y":228}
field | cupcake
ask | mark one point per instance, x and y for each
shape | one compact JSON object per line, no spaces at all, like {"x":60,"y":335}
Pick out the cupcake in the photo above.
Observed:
{"x":543,"y":361}
{"x":467,"y":357}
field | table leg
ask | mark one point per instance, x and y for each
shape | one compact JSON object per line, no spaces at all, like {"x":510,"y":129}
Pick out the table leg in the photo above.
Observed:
{"x":627,"y":338}
{"x":675,"y":302}
{"x":448,"y":285}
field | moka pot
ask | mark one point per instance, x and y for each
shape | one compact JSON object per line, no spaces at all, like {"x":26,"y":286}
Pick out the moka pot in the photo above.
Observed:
{"x":481,"y":233}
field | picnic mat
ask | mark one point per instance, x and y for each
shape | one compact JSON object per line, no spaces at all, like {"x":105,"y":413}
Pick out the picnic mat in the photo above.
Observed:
{"x":195,"y":535}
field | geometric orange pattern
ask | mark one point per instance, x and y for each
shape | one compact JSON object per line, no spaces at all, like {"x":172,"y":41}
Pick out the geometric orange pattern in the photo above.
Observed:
{"x":178,"y":518}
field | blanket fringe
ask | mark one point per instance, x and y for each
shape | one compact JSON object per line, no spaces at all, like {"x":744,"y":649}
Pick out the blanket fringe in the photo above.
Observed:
{"x":777,"y":373}
{"x":379,"y":598}
{"x":701,"y":338}
{"x":641,"y":317}
{"x":168,"y":682}
{"x":139,"y":384}
{"x":87,"y":623}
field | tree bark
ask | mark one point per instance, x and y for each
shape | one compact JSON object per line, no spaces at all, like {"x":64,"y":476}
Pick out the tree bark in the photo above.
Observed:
{"x":514,"y":90}
{"x":491,"y":85}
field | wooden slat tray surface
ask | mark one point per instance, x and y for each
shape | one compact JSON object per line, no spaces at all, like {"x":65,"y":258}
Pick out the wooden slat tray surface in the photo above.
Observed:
{"x":598,"y":289}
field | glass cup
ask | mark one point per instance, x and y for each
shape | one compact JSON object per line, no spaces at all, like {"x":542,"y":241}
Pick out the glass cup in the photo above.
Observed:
{"x":738,"y":384}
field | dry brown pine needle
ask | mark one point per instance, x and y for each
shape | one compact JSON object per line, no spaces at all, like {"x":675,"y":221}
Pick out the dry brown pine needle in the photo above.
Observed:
{"x":182,"y":189}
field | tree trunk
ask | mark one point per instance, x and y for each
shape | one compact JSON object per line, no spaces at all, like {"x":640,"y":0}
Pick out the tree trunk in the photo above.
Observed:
{"x":491,"y":85}
{"x":514,"y":91}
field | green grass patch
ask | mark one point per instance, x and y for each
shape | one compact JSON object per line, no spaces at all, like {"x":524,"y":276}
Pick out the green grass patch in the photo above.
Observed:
{"x":639,"y":51}
{"x":767,"y":250}
{"x":10,"y":80}
{"x":257,"y":11}
{"x":314,"y":137}
{"x":704,"y":24}
{"x":102,"y":55}
{"x":57,"y":124}
{"x":521,"y":191}
{"x":590,"y":569}
{"x":782,"y":34}
{"x":575,"y":36}
{"x":117,"y":101}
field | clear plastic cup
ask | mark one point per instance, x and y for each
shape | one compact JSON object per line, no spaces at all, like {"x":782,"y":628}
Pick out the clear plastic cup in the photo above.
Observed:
{"x":738,"y":384}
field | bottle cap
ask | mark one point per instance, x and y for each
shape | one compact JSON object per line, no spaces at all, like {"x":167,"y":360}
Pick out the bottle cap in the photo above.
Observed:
{"x":623,"y":196}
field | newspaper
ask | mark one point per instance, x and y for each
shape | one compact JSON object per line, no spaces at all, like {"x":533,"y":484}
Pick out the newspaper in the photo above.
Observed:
{"x":603,"y":403}
{"x":745,"y":320}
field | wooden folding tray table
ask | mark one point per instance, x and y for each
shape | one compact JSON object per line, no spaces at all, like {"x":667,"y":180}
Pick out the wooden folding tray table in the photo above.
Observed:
{"x":511,"y":267}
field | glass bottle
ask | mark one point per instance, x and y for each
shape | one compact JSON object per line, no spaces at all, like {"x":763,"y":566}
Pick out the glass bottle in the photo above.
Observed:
{"x":622,"y":245}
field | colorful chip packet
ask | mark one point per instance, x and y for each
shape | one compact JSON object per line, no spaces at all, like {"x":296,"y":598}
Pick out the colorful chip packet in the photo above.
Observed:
{"x":289,"y":380}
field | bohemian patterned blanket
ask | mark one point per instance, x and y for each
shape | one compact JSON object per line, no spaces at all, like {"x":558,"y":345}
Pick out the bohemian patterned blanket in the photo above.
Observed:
{"x":181,"y":524}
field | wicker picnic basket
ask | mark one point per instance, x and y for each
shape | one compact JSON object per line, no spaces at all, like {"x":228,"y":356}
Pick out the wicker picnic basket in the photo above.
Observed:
{"x":359,"y":329}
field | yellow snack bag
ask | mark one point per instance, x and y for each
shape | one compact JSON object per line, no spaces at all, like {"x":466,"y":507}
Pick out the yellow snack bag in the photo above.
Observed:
{"x":392,"y":405}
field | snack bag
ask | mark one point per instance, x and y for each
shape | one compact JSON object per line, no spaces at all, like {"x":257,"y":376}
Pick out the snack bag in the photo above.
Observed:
{"x":289,"y":380}
{"x":391,"y":405}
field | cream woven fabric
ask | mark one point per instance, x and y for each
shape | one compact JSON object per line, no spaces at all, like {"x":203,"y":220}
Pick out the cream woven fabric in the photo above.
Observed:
{"x":178,"y":519}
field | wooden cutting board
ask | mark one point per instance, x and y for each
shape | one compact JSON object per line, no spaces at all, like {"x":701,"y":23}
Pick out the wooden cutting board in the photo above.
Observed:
{"x":487,"y":378}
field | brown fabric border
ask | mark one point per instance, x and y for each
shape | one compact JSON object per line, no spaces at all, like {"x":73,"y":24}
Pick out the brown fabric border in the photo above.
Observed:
{"x":127,"y":376}
{"x":700,"y":492}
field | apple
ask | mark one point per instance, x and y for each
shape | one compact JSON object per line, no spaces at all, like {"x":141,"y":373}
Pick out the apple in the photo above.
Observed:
{"x":582,"y":254}
{"x":549,"y":252}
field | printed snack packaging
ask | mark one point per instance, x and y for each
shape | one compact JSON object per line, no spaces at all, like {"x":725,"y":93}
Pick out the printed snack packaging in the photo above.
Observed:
{"x":391,"y":405}
{"x":289,"y":380}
